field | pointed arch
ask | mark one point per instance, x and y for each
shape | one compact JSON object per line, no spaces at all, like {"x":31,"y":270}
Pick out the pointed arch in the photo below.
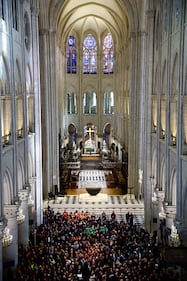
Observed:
{"x":18,"y":82}
{"x":5,"y":74}
{"x":7,"y":188}
{"x":163,"y":89}
{"x":21,"y":180}
{"x":163,"y":174}
{"x":30,"y":166}
{"x":72,"y":134}
{"x":29,"y":82}
{"x":173,"y":187}
{"x":175,"y":77}
{"x":107,"y":134}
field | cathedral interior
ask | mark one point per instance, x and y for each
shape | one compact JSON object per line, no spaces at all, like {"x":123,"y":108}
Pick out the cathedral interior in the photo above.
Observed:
{"x":93,"y":102}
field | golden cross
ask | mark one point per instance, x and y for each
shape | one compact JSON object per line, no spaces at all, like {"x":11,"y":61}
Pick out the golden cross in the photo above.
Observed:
{"x":89,"y":131}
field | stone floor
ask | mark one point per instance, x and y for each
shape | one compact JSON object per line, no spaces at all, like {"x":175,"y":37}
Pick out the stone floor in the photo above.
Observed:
{"x":120,"y":204}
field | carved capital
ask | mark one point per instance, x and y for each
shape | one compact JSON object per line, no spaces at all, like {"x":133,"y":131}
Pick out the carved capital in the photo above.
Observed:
{"x":10,"y":211}
{"x":23,"y":194}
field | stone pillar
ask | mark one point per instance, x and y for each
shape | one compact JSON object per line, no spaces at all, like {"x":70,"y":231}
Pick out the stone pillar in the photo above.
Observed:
{"x":54,"y":110}
{"x":38,"y":138}
{"x":146,"y":157}
{"x":10,"y":253}
{"x":133,"y":121}
{"x":23,"y":218}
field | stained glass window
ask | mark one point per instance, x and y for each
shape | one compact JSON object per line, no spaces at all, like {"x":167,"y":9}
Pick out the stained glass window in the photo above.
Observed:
{"x":89,"y":55}
{"x":71,"y":55}
{"x":108,"y":103}
{"x":108,"y":54}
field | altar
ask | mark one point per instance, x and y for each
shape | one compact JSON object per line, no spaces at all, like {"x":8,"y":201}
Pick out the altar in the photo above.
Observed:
{"x":90,"y":147}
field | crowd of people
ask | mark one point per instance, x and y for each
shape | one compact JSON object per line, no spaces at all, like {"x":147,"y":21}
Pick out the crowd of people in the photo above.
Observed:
{"x":82,"y":246}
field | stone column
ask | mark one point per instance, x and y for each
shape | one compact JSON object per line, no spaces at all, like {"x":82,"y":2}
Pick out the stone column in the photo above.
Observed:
{"x":146,"y":155}
{"x":46,"y":110}
{"x":10,"y":253}
{"x":23,"y":222}
{"x":54,"y":110}
{"x":38,"y":139}
{"x":133,"y":121}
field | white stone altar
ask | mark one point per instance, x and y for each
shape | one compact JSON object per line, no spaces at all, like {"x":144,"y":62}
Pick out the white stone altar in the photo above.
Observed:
{"x":89,"y":147}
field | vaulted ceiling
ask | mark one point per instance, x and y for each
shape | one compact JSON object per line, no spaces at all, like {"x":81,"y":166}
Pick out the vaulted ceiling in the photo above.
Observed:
{"x":92,"y":16}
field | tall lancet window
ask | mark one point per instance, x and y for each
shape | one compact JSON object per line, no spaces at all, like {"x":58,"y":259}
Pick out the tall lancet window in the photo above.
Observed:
{"x":108,"y":54}
{"x":90,"y":55}
{"x":71,"y":55}
{"x":90,"y":103}
{"x":71,"y":103}
{"x":93,"y":103}
{"x":108,"y":103}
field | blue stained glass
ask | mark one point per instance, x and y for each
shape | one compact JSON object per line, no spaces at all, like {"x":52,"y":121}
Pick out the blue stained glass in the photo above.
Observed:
{"x":71,"y":55}
{"x":90,"y":55}
{"x":108,"y":54}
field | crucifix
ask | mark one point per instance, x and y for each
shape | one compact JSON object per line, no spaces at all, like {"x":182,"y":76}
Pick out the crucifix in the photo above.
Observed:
{"x":90,"y":131}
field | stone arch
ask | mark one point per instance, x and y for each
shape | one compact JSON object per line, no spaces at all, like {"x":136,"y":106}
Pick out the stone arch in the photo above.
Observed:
{"x":21,"y":181}
{"x":5,"y":75}
{"x":7,"y":188}
{"x":174,"y":76}
{"x":72,"y":134}
{"x":163,"y":174}
{"x":107,"y":134}
{"x":30,"y":166}
{"x":28,"y":79}
{"x":18,"y":83}
{"x":163,"y":89}
{"x":173,"y":187}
